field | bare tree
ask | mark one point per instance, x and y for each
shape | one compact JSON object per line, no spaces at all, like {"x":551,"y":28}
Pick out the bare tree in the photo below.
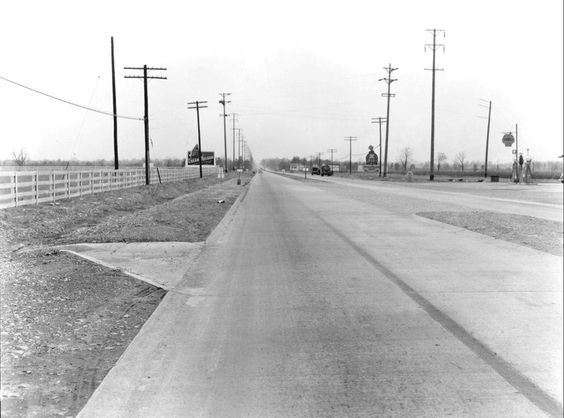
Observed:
{"x":405,"y":157}
{"x":441,"y":157}
{"x":20,"y":158}
{"x":460,"y":159}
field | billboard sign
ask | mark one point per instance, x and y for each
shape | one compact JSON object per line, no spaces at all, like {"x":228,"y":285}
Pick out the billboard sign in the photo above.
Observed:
{"x":208,"y":157}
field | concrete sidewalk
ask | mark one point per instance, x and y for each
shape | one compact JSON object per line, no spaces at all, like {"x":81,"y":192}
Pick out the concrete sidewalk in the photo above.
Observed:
{"x":161,"y":264}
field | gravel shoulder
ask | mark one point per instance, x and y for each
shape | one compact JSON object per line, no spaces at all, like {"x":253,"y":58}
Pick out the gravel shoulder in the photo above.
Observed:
{"x":66,"y":321}
{"x":539,"y":234}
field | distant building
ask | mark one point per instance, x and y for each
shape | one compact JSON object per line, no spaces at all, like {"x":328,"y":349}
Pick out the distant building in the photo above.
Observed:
{"x":294,"y":167}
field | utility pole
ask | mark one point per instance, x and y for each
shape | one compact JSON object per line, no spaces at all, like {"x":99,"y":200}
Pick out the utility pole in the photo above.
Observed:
{"x":244,"y":152}
{"x":319,"y":154}
{"x":332,"y":150}
{"x":198,"y":105}
{"x":380,"y":121}
{"x":223,"y":102}
{"x":350,"y":139}
{"x":234,"y":117}
{"x":517,"y":143}
{"x":146,"y":117}
{"x":238,"y":147}
{"x":389,"y":80}
{"x":434,"y":47}
{"x":241,"y":142}
{"x":487,"y":136}
{"x":116,"y":159}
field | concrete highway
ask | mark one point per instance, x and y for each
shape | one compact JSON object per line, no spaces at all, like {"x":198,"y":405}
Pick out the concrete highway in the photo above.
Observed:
{"x":334,"y":299}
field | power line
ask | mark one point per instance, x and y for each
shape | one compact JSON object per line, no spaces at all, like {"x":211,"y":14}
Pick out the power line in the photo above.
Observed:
{"x":69,"y":102}
{"x":84,"y":116}
{"x":298,"y":113}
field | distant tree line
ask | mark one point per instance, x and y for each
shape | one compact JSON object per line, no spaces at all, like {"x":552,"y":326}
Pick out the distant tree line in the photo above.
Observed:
{"x":458,"y":165}
{"x":22,"y":159}
{"x":246,"y":164}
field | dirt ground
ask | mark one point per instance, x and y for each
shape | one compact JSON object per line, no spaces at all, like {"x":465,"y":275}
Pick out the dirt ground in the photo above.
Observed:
{"x":66,"y":321}
{"x":540,"y":234}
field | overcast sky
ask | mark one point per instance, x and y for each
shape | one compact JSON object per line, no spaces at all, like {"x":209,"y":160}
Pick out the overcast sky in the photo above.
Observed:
{"x":302,"y":75}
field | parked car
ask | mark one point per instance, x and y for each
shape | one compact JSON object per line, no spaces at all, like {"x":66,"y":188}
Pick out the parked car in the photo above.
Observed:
{"x":315,"y":170}
{"x":326,"y":170}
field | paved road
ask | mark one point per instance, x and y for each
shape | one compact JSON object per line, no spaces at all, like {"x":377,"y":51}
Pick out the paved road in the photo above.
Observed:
{"x":539,"y":200}
{"x":314,"y":303}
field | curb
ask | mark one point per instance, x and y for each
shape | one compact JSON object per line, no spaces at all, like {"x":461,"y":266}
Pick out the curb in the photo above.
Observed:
{"x":215,"y":235}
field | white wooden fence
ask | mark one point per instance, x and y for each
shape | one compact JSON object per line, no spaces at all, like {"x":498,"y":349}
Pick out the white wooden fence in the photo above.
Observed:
{"x":18,"y":188}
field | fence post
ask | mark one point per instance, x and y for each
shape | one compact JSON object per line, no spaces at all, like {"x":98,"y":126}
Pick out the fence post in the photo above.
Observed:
{"x":67,"y":174}
{"x":15,"y":188}
{"x":36,"y":186}
{"x":52,"y":177}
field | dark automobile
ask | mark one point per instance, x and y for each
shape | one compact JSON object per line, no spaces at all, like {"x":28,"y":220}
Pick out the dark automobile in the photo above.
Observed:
{"x":326,"y":170}
{"x":315,"y":170}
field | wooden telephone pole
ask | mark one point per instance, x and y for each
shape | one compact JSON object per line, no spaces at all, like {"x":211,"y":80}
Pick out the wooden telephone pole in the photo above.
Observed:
{"x":380,"y":121}
{"x":332,"y":150}
{"x":116,"y":159}
{"x":224,"y":102}
{"x":198,"y":105}
{"x":234,"y":117}
{"x":146,"y":117}
{"x":389,"y":80}
{"x":487,"y":134}
{"x":433,"y":47}
{"x":350,"y":139}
